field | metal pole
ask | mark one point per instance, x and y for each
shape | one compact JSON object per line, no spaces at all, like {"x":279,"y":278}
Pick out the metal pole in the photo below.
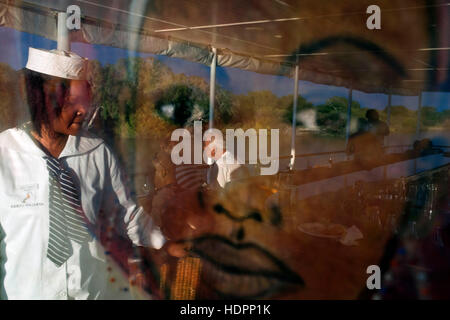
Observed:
{"x":349,"y":115}
{"x":212,"y":88}
{"x":388,"y":118}
{"x":294,"y":119}
{"x":419,"y":111}
{"x":63,"y":32}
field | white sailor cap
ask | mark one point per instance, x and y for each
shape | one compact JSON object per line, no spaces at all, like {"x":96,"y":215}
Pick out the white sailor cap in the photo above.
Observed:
{"x":57,"y":63}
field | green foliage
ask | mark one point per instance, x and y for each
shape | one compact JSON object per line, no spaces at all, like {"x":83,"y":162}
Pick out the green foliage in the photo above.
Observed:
{"x":400,"y":111}
{"x":430,"y":117}
{"x":302,"y":104}
{"x":11,"y":107}
{"x":261,"y":109}
{"x":403,"y":119}
{"x":332,"y":115}
{"x":223,"y":107}
{"x":128,"y":92}
{"x":142,"y":86}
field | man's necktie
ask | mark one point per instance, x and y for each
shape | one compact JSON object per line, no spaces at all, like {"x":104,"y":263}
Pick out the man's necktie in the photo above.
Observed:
{"x":67,"y":221}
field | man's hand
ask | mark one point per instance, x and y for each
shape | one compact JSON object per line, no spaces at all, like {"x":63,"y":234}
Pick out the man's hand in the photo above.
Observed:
{"x":178,"y":250}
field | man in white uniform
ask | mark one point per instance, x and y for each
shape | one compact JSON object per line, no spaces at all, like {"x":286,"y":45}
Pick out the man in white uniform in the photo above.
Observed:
{"x":222,"y":162}
{"x":40,"y":257}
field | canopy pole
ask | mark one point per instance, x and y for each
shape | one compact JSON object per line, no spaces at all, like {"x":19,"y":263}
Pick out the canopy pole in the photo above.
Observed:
{"x":419,"y":111}
{"x":212,"y":88}
{"x":63,"y":32}
{"x":388,"y":118}
{"x":294,"y":118}
{"x":349,"y":115}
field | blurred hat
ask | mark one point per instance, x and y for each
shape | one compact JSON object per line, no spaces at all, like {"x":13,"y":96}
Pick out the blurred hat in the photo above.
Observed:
{"x":57,"y":63}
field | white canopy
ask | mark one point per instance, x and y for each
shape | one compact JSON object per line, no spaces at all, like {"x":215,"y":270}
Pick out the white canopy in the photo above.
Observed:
{"x":363,"y":59}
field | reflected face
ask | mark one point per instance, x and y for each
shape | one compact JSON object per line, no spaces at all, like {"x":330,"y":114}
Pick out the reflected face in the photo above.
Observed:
{"x":243,"y":255}
{"x":320,"y":32}
{"x":75,"y":106}
{"x":251,"y":242}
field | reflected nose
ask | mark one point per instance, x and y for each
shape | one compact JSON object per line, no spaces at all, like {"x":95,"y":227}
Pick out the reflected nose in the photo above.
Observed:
{"x":81,"y":110}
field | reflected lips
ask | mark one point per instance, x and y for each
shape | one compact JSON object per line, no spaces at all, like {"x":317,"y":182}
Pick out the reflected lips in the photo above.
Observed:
{"x":243,"y":270}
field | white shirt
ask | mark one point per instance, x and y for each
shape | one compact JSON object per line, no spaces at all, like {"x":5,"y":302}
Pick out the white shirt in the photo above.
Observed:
{"x":226,"y":164}
{"x":25,"y":271}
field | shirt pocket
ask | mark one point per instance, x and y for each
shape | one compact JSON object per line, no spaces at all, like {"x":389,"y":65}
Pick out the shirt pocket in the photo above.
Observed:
{"x":26,"y":197}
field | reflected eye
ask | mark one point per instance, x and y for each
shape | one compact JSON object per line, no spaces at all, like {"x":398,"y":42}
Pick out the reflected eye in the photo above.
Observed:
{"x":182,"y":104}
{"x":252,"y":215}
{"x":255,"y":215}
{"x":220,"y":209}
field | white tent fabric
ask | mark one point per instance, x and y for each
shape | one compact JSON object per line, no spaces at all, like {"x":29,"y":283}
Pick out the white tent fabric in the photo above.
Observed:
{"x":43,"y":21}
{"x":28,"y":20}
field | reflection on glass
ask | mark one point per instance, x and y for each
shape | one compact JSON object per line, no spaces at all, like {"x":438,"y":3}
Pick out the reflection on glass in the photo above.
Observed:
{"x":306,"y":233}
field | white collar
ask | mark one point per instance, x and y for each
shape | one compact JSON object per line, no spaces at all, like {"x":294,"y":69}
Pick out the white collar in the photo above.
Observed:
{"x":19,"y":140}
{"x":226,"y":158}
